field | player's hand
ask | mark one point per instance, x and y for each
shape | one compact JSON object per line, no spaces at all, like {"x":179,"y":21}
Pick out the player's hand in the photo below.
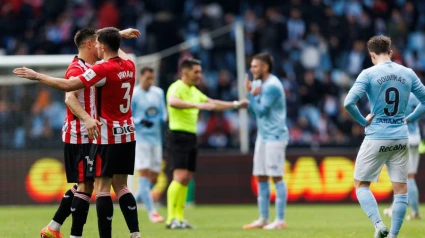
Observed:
{"x":206,"y":106}
{"x":369,"y":119}
{"x":92,"y":126}
{"x":243,"y":103}
{"x":248,"y":83}
{"x":146,"y":123}
{"x":256,"y":91}
{"x":130,"y":33}
{"x":407,"y":121}
{"x":25,"y":73}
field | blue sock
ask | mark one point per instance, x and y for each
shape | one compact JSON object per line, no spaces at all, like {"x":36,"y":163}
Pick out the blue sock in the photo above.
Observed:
{"x":368,"y":203}
{"x":280,"y":200}
{"x":399,"y":211}
{"x":146,"y":193}
{"x":413,"y":193}
{"x":263,"y":199}
{"x":138,"y":196}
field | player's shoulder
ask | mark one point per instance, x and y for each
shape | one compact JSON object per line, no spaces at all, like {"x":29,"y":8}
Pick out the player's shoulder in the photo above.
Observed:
{"x":157,"y":90}
{"x":273,"y":82}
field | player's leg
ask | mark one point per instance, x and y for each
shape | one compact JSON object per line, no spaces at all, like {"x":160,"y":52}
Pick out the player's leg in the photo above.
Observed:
{"x":397,"y":170}
{"x":52,"y":230}
{"x":275,"y":157}
{"x":412,"y":188}
{"x":367,"y":168}
{"x":80,"y":208}
{"x":71,"y":160}
{"x":127,"y":203}
{"x":263,"y":198}
{"x":144,"y":157}
{"x":123,"y":160}
{"x":155,"y":168}
{"x":81,"y":202}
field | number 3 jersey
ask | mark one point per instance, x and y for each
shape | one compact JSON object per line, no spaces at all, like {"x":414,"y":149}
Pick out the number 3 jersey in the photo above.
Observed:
{"x":388,"y":86}
{"x":115,"y":81}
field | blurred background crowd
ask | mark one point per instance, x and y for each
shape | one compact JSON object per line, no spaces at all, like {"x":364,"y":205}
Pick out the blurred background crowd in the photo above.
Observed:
{"x":319,"y":48}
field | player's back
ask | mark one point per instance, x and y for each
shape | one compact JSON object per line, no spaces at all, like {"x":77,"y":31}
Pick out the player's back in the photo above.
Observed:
{"x":115,"y":81}
{"x":388,"y":89}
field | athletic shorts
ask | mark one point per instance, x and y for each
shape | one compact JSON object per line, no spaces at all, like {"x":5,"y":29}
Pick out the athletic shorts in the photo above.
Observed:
{"x":412,"y":165}
{"x":78,"y":166}
{"x":148,"y":157}
{"x":269,"y":158}
{"x":182,"y":150}
{"x":113,"y":159}
{"x":374,"y":154}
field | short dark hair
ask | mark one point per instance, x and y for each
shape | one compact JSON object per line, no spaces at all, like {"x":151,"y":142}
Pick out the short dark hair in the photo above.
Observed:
{"x":189,"y":63}
{"x":82,"y":35}
{"x":265,"y":58}
{"x":379,"y":45}
{"x":109,"y":36}
{"x":146,"y":69}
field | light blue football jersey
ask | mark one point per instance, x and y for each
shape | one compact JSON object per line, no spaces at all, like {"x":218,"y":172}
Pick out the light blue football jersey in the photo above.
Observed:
{"x":413,"y":126}
{"x":269,"y":108}
{"x":149,"y":105}
{"x":387,"y":86}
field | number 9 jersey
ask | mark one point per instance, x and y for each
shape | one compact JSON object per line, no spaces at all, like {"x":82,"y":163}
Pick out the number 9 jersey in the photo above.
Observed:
{"x":388,"y":86}
{"x":115,"y":81}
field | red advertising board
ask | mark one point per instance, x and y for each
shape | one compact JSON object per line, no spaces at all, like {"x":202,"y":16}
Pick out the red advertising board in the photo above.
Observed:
{"x":30,"y":177}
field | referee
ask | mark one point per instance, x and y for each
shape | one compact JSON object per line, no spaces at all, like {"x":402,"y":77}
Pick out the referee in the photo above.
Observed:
{"x":184,"y":101}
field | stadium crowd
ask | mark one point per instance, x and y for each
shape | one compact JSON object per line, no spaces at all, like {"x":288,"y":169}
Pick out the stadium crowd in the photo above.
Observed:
{"x":318,"y":47}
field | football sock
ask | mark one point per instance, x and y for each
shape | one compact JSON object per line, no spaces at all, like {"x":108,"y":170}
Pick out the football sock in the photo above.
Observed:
{"x":368,"y":203}
{"x":392,"y":236}
{"x":145,"y":194}
{"x":280,"y":200}
{"x":399,"y":211}
{"x":173,"y":193}
{"x":413,"y":193}
{"x":129,"y":209}
{"x":64,"y":209}
{"x":181,"y":202}
{"x":263,"y":199}
{"x":80,"y":210}
{"x":105,"y":211}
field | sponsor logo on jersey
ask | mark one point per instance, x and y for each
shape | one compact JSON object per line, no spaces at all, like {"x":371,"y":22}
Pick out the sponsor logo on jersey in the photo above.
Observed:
{"x":123,"y":130}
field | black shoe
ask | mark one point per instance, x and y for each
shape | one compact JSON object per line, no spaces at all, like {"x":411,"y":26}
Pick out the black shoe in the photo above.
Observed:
{"x":185,"y":225}
{"x":175,"y":224}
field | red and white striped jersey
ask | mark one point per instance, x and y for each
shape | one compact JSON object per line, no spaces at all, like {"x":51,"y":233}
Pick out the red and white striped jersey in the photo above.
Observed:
{"x":74,"y":130}
{"x":115,"y":81}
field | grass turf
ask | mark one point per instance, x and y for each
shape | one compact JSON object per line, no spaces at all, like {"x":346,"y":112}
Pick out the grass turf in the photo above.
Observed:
{"x":215,"y":221}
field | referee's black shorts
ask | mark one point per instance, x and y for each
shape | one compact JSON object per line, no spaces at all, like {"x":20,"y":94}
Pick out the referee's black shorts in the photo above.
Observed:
{"x":182,"y":150}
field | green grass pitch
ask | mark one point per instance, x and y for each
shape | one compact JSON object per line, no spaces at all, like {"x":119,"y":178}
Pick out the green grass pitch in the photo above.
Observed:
{"x":319,"y":221}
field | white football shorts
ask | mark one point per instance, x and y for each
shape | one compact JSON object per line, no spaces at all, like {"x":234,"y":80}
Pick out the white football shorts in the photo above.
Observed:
{"x":374,"y":154}
{"x":148,"y":157}
{"x":269,"y":158}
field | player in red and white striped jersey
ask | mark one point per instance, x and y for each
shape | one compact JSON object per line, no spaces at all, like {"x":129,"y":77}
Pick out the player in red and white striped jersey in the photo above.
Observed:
{"x":115,"y":150}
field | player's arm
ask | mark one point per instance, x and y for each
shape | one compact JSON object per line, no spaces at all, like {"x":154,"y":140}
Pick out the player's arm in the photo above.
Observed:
{"x":129,"y":33}
{"x":219,"y":105}
{"x":74,"y":105}
{"x":418,"y":89}
{"x":353,"y":96}
{"x":269,"y":94}
{"x":163,"y":107}
{"x":71,"y":84}
{"x":179,"y":103}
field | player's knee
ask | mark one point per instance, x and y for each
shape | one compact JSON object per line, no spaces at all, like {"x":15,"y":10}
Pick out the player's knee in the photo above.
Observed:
{"x":358,"y":184}
{"x":262,"y":179}
{"x":85,"y":187}
{"x":399,"y":188}
{"x":411,"y":176}
{"x":103,"y":184}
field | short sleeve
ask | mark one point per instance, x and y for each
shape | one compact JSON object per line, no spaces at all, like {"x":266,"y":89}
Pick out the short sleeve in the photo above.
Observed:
{"x":172,"y":91}
{"x":199,"y":95}
{"x":418,"y":88}
{"x":73,"y":72}
{"x":93,"y":76}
